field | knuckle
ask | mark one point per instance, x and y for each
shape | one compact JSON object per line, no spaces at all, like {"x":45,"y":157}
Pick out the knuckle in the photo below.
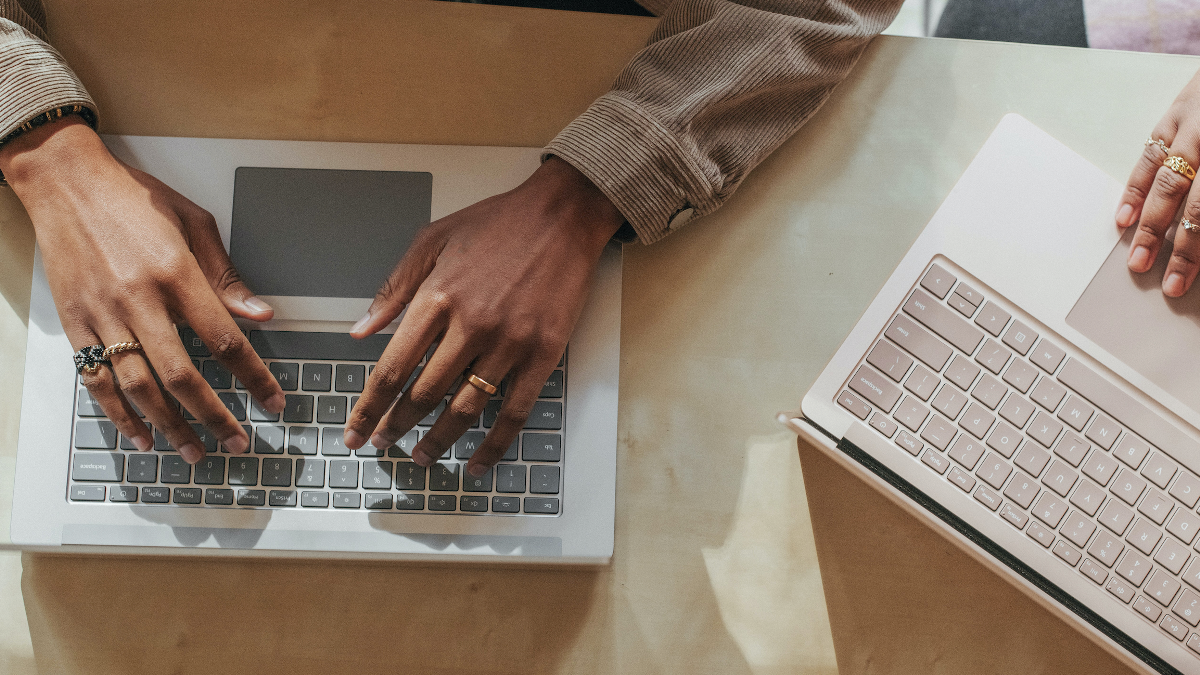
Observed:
{"x":1182,"y":257}
{"x":1192,"y":210}
{"x":512,"y":417}
{"x":462,"y":412}
{"x":228,"y":346}
{"x":1136,"y":192}
{"x":228,"y":277}
{"x":439,"y":301}
{"x":1170,"y":183}
{"x":178,"y":377}
{"x":424,"y":397}
{"x":1154,"y":229}
{"x":138,"y":384}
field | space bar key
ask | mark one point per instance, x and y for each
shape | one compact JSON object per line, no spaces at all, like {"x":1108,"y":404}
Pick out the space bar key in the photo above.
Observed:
{"x":285,"y":344}
{"x":1132,"y":413}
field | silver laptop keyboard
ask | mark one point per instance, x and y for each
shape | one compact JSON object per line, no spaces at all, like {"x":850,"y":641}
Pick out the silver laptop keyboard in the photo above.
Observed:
{"x":1042,"y":441}
{"x":297,"y":459}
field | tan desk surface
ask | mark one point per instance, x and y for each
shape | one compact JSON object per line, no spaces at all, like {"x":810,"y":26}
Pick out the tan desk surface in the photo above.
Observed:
{"x":724,"y":323}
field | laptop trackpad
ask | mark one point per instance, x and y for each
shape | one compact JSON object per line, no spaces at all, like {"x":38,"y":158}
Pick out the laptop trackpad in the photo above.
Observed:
{"x":1128,"y":315}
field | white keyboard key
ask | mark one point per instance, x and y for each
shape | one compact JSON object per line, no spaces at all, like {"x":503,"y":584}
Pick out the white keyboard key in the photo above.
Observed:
{"x":1115,"y":517}
{"x":1183,"y":525}
{"x":1032,"y":459}
{"x":1020,"y":337}
{"x":1068,"y":554}
{"x":993,"y":356}
{"x":939,"y":432}
{"x":961,"y":478}
{"x":875,"y":388}
{"x":1048,"y":393}
{"x":1040,"y":534}
{"x":1047,"y":356}
{"x":1159,"y":470}
{"x":883,"y":425}
{"x":1020,"y":375}
{"x":1162,"y":588}
{"x":1100,"y":467}
{"x":942,"y":320}
{"x":1060,"y":478}
{"x":1022,"y":489}
{"x":1016,"y":410}
{"x":1128,"y":487}
{"x":962,"y":372}
{"x":1172,"y":555}
{"x":909,"y":443}
{"x":1077,"y":529}
{"x":987,"y":498}
{"x":992,"y":319}
{"x":1105,"y":548}
{"x":1156,"y":507}
{"x":1049,"y":509}
{"x":1191,"y":575}
{"x":966,"y":451}
{"x":1004,"y":439}
{"x":1134,"y":568}
{"x":1103,"y":432}
{"x":993,"y":471}
{"x":1014,"y":517}
{"x":1076,"y":413}
{"x":938,"y":281}
{"x":1120,"y":589}
{"x":919,"y":342}
{"x":989,"y":391}
{"x":1093,"y":571}
{"x":1143,"y":536}
{"x":1188,"y":607}
{"x":935,"y":461}
{"x":949,"y":401}
{"x":977,"y":421}
{"x":1147,"y":608}
{"x":922,"y":383}
{"x":1088,"y":497}
{"x":889,"y":360}
{"x":1186,"y":489}
{"x":911,"y":413}
{"x":1044,"y":429}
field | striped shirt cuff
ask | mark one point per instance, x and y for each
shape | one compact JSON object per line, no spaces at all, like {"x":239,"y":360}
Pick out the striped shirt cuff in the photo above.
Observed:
{"x":35,"y":79}
{"x":638,"y":164}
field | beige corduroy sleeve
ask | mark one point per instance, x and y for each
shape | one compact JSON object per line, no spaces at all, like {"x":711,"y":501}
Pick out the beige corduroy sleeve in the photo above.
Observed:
{"x":719,"y":85}
{"x":34,"y":78}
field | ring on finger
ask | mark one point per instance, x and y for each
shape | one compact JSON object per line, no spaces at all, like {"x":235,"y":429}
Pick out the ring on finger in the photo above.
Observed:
{"x":121,"y":347}
{"x":1160,"y":143}
{"x":482,"y":384}
{"x":1188,"y":225}
{"x":89,"y":359}
{"x":1180,"y":166}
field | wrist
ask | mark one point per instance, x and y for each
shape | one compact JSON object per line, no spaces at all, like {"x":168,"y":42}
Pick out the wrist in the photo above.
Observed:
{"x":42,"y":156}
{"x":589,"y":212}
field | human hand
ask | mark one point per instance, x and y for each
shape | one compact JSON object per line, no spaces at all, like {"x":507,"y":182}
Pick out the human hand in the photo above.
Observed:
{"x":501,"y":283}
{"x":1154,"y":193}
{"x":128,"y":257}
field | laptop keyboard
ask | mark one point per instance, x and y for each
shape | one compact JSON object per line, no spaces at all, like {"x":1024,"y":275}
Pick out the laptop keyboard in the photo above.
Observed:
{"x":297,"y":459}
{"x":1055,"y":449}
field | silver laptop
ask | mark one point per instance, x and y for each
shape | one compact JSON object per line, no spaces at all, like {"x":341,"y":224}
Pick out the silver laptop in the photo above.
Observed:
{"x":314,"y":228}
{"x":1018,"y":389}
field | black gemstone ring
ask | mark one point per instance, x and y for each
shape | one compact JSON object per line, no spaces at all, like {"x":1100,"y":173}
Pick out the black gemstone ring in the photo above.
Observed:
{"x":89,"y":359}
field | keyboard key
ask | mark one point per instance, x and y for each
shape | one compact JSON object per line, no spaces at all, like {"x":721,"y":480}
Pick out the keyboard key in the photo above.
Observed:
{"x":1060,"y":478}
{"x":1162,"y":588}
{"x":268,"y":440}
{"x":442,"y":502}
{"x":987,"y":498}
{"x":992,"y":319}
{"x":541,"y":505}
{"x":1077,"y":529}
{"x":919,"y":342}
{"x":210,"y":470}
{"x":1188,"y":607}
{"x":1020,"y":337}
{"x":1032,"y":459}
{"x":277,"y":471}
{"x":1016,"y":410}
{"x":909,"y":443}
{"x":977,"y":421}
{"x":1156,"y":507}
{"x":87,"y":406}
{"x":1066,"y":553}
{"x":317,"y":346}
{"x":346,"y":500}
{"x":1088,"y":497}
{"x":1013,"y":516}
{"x":1120,"y":589}
{"x":403,"y":447}
{"x":1173,"y":628}
{"x":1076,"y":413}
{"x":1143,"y":536}
{"x":207,"y":439}
{"x":1004,"y":439}
{"x":1093,"y":571}
{"x":961,"y":479}
{"x":314,"y":499}
{"x":281,"y":498}
{"x":175,"y":470}
{"x":506,"y":504}
{"x":989,"y":391}
{"x":160,"y":442}
{"x":98,"y":466}
{"x":217,"y":376}
{"x":935,"y":461}
{"x":993,"y":471}
{"x":554,"y":388}
{"x":960,"y":303}
{"x":962,"y":372}
{"x":316,"y":377}
{"x":847,"y":400}
{"x":331,"y":409}
{"x":250,"y":497}
{"x":1049,"y":510}
{"x":541,"y":447}
{"x":949,"y":402}
{"x":921,"y":383}
{"x":967,"y":451}
{"x":235,"y":403}
{"x":243,"y":471}
{"x":1171,"y":555}
{"x":544,"y":480}
{"x":993,"y":356}
{"x":443,"y":477}
{"x":1147,"y":608}
{"x":1105,"y":548}
{"x":1047,"y":356}
{"x":87,"y":493}
{"x":886,"y":358}
{"x":188,"y":495}
{"x":1186,"y":489}
{"x":1040,"y":534}
{"x":1131,"y":450}
{"x":155,"y":495}
{"x":478,"y":483}
{"x":1071,"y":448}
{"x":1159,"y":470}
{"x":343,"y":473}
{"x":1128,"y":486}
{"x":218,"y":496}
{"x":95,"y":435}
{"x":473,"y":504}
{"x":261,"y":414}
{"x":1022,"y":489}
{"x":376,"y":475}
{"x":883,"y":425}
{"x":939,"y":432}
{"x":1020,"y":375}
{"x":1183,"y":525}
{"x":1115,"y":517}
{"x":510,"y":478}
{"x":375,"y":500}
{"x":938,"y":281}
{"x":298,"y":408}
{"x":1044,"y":429}
{"x":287,"y":374}
{"x":433,"y":416}
{"x":409,"y":476}
{"x":943,"y":321}
{"x":910,"y":413}
{"x":465,"y":446}
{"x":349,"y":378}
{"x":969,"y":294}
{"x":302,"y":440}
{"x":867,"y":382}
{"x":1193,"y":643}
{"x":1100,"y":467}
{"x":1134,"y":568}
{"x":1048,"y":393}
{"x":1103,"y":432}
{"x":410,"y":502}
{"x":310,"y":473}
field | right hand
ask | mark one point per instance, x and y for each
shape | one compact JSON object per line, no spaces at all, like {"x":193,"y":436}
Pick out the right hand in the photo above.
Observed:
{"x":127,"y":258}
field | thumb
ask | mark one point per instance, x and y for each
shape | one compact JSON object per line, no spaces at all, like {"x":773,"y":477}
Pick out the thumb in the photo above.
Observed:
{"x":402,"y":284}
{"x":205,"y":241}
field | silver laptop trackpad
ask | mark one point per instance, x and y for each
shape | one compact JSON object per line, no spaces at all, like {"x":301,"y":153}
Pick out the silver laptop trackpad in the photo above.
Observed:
{"x":1128,"y":315}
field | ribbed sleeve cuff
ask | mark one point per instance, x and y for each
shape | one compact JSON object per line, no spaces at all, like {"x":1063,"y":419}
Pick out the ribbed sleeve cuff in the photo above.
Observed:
{"x":638,"y":164}
{"x":34,"y":79}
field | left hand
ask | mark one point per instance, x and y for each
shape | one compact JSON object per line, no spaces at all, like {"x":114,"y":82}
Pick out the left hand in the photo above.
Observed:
{"x":501,"y":283}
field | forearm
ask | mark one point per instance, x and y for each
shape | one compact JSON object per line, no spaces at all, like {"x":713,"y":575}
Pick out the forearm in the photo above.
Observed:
{"x":718,"y":87}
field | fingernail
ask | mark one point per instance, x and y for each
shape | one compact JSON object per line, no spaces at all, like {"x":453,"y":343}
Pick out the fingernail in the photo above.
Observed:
{"x":257,"y":305}
{"x":1173,"y":286}
{"x":190,"y":453}
{"x":1139,"y":260}
{"x":380,"y":441}
{"x":361,"y":322}
{"x":422,"y":459}
{"x":143,"y":443}
{"x":1125,"y":216}
{"x":476,"y":470}
{"x":275,"y":403}
{"x":353,"y":439}
{"x":236,"y":444}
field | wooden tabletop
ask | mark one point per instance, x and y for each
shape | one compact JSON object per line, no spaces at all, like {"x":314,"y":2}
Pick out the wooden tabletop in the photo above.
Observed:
{"x":724,"y":323}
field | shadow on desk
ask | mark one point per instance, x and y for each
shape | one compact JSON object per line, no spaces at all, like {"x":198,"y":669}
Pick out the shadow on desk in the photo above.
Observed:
{"x":169,"y":615}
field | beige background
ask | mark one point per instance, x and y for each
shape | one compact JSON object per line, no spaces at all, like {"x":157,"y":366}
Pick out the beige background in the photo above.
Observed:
{"x":724,"y":323}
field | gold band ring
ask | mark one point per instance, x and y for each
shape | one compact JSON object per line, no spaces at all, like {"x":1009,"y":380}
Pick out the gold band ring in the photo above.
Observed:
{"x":1188,"y":225}
{"x":121,"y":347}
{"x":1159,"y":142}
{"x":482,"y":384}
{"x":1180,"y":166}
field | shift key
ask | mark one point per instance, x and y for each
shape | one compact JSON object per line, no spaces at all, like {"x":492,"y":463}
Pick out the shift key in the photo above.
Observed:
{"x":875,"y":388}
{"x":943,"y":321}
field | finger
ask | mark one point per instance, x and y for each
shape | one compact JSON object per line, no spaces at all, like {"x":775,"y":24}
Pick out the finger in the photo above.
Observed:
{"x":447,"y":364}
{"x":417,"y":331}
{"x":103,"y":387}
{"x":524,"y":386}
{"x":401,"y":286}
{"x":1185,"y":256}
{"x":205,"y":241}
{"x":225,"y":340}
{"x":1166,"y":194}
{"x":1142,"y":178}
{"x":179,"y":376}
{"x":463,"y":411}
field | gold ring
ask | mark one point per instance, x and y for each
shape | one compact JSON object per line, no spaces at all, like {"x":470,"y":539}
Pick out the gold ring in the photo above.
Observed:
{"x":482,"y":384}
{"x":120,"y":347}
{"x":1188,"y":225}
{"x":1159,"y":142}
{"x":1180,"y":166}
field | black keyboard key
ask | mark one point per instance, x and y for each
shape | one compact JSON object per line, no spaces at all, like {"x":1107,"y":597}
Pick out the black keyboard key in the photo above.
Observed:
{"x":122,"y":493}
{"x":433,"y":416}
{"x":302,"y":441}
{"x":473,"y":503}
{"x":316,"y":377}
{"x":268,"y":440}
{"x":409,"y":476}
{"x":555,"y":386}
{"x":155,"y":495}
{"x":310,"y":473}
{"x":217,"y":376}
{"x":541,"y":505}
{"x":377,"y":475}
{"x":261,"y":414}
{"x":286,"y":374}
{"x":442,"y":502}
{"x":510,"y":455}
{"x":404,"y":446}
{"x":87,"y":406}
{"x":343,"y":473}
{"x":210,"y":471}
{"x":87,"y":493}
{"x":142,"y":468}
{"x":543,"y":480}
{"x":443,"y":478}
{"x":346,"y":500}
{"x":490,"y":410}
{"x":277,"y":471}
{"x":368,"y":449}
{"x":464,"y":447}
{"x":175,"y":470}
{"x":349,"y":378}
{"x":95,"y":435}
{"x":477,"y":483}
{"x":236,"y":403}
{"x":218,"y":496}
{"x":243,"y":471}
{"x":192,"y":343}
{"x":98,"y":466}
{"x":206,"y":437}
{"x":188,"y":495}
{"x":541,"y":447}
{"x":506,"y":504}
{"x":410,"y":502}
{"x":331,"y":409}
{"x":545,"y":415}
{"x":281,"y":498}
{"x":252,"y":498}
{"x":318,"y":346}
{"x":298,"y":408}
{"x":313,"y":499}
{"x":331,"y":442}
{"x":161,"y":443}
{"x":377,"y":501}
{"x":510,"y":478}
